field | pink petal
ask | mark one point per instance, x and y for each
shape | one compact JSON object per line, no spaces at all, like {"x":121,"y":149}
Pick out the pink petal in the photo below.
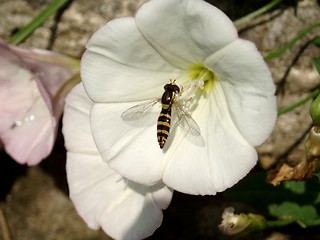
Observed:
{"x":30,"y":101}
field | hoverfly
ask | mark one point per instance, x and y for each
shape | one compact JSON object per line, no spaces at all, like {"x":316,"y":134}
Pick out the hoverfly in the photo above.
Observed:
{"x":168,"y":102}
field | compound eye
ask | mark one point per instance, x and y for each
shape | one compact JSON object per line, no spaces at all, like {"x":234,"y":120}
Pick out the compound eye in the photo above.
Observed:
{"x":176,"y":89}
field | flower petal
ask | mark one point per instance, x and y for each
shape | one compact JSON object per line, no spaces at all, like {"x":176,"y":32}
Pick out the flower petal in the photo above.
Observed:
{"x":125,"y":210}
{"x":27,"y":127}
{"x":221,"y":162}
{"x":77,"y":109}
{"x":17,"y":91}
{"x":31,"y":138}
{"x":195,"y":30}
{"x":130,"y":148}
{"x":249,"y":89}
{"x":50,"y":67}
{"x":30,"y":80}
{"x":50,"y":70}
{"x":103,"y":198}
{"x":93,"y":187}
{"x":137,"y":213}
{"x":120,"y":65}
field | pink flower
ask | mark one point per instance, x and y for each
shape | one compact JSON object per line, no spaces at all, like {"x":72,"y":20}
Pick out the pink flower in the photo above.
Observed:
{"x":31,"y":100}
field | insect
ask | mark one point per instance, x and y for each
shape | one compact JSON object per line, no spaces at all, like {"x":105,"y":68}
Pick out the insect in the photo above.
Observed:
{"x":168,"y":102}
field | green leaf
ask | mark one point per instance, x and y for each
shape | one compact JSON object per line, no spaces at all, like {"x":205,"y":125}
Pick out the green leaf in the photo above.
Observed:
{"x":255,"y":192}
{"x":316,"y":62}
{"x":24,"y":32}
{"x":303,"y":215}
{"x":300,"y":102}
{"x":279,"y":52}
{"x":256,"y":13}
{"x":295,"y":187}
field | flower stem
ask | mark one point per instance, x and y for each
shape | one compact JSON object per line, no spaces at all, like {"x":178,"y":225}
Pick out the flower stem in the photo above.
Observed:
{"x":58,"y":99}
{"x":281,"y":223}
{"x":279,"y":52}
{"x":24,"y":32}
{"x":256,"y":13}
{"x":278,"y":223}
{"x":293,"y":106}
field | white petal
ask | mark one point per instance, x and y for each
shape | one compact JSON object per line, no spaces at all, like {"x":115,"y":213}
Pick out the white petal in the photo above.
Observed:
{"x":185,"y":31}
{"x":161,"y":196}
{"x":249,"y":89}
{"x":120,"y":65}
{"x":93,"y":187}
{"x":77,"y":107}
{"x":130,"y":148}
{"x":137,"y":213}
{"x":104,"y":199}
{"x":125,"y":210}
{"x":224,"y":159}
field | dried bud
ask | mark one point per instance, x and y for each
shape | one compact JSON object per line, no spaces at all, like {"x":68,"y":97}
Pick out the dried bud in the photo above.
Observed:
{"x":306,"y":168}
{"x":241,"y":224}
{"x":312,"y":147}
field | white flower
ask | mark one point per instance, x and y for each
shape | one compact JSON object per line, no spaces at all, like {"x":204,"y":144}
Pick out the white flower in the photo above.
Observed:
{"x":129,"y":60}
{"x":124,"y":209}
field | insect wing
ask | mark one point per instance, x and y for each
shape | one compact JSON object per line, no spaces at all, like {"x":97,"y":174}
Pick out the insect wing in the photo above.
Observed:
{"x":138,"y":111}
{"x":186,"y":121}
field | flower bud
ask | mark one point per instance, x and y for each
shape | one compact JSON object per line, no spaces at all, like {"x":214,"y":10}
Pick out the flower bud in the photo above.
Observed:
{"x":315,"y":111}
{"x":241,"y":224}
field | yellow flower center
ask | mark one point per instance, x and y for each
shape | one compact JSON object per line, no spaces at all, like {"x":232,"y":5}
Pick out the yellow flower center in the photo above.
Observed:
{"x":198,"y":79}
{"x":200,"y":72}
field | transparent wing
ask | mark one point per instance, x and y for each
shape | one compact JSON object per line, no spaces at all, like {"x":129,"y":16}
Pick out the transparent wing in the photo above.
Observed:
{"x":186,"y":121}
{"x":138,"y":111}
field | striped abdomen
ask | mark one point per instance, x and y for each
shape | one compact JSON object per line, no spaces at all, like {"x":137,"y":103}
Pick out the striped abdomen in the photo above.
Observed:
{"x":163,"y":126}
{"x":164,"y":120}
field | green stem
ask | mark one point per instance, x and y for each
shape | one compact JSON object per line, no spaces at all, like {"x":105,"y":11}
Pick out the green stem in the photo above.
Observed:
{"x":58,"y":99}
{"x":313,"y":223}
{"x":278,"y":223}
{"x":279,"y":52}
{"x":293,"y":106}
{"x":281,"y":223}
{"x":256,"y":13}
{"x":24,"y":32}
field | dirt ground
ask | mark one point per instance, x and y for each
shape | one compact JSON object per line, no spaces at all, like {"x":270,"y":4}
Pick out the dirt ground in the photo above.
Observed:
{"x":34,"y":201}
